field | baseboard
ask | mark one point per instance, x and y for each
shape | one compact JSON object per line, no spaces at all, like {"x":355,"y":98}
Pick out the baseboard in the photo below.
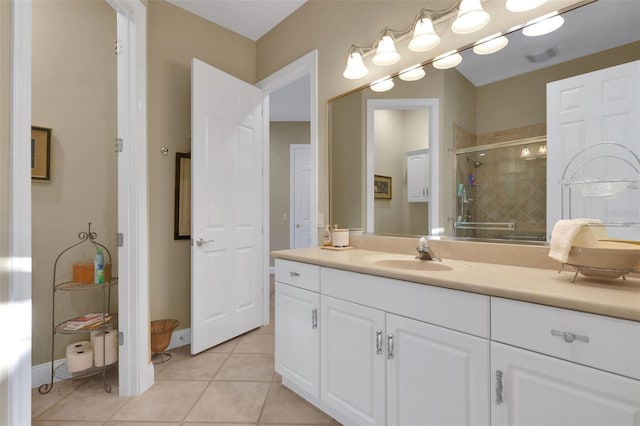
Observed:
{"x":180,"y":338}
{"x":41,"y":374}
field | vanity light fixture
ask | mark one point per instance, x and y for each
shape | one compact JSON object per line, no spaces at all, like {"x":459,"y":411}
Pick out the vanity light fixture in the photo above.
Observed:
{"x":386,"y":53}
{"x":412,"y":74}
{"x":382,"y":85}
{"x":424,"y":36}
{"x":490,"y":44}
{"x":447,"y":60}
{"x":471,"y":17}
{"x":523,"y":5}
{"x":543,"y":25}
{"x":355,"y":65}
{"x":542,"y":151}
{"x":525,"y":153}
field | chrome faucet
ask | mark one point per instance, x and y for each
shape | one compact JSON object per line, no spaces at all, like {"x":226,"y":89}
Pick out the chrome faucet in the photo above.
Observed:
{"x":424,"y":251}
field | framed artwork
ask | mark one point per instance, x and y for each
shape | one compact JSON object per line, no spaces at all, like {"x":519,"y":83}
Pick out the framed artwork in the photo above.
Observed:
{"x":182,"y":214}
{"x":382,"y":187}
{"x":40,"y":153}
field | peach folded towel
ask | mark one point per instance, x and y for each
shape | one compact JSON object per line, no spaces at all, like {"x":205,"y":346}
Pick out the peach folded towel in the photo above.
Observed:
{"x":563,"y":234}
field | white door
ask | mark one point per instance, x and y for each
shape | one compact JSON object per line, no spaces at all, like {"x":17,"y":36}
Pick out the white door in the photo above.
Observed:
{"x":418,"y":177}
{"x":227,"y":262}
{"x":300,"y":176}
{"x":601,"y":106}
{"x":436,"y":376}
{"x":352,"y":360}
{"x":298,"y":337}
{"x":536,"y":389}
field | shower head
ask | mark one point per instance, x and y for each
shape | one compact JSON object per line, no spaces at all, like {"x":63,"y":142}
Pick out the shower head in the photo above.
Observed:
{"x":476,"y":163}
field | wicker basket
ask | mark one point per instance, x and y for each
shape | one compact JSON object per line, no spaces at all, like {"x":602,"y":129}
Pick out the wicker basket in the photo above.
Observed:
{"x":161,"y":334}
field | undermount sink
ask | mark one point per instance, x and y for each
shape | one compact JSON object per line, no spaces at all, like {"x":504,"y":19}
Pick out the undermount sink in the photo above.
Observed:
{"x":407,"y":262}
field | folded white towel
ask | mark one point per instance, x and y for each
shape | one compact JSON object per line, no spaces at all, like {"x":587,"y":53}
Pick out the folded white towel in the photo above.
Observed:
{"x":563,"y":234}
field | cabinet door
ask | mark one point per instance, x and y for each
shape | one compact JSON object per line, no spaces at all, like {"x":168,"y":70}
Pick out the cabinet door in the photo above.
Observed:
{"x":536,"y":389}
{"x":418,"y":177}
{"x":353,"y":360}
{"x":297,"y":339}
{"x":436,"y":376}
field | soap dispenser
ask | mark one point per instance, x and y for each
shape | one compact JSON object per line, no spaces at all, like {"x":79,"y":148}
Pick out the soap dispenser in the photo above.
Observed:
{"x":326,"y":237}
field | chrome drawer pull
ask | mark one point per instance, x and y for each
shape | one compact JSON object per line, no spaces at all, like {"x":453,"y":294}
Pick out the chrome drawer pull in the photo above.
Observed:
{"x":569,"y":337}
{"x":379,"y":342}
{"x":498,"y":387}
{"x":314,"y":318}
{"x":390,"y":346}
{"x":294,"y":274}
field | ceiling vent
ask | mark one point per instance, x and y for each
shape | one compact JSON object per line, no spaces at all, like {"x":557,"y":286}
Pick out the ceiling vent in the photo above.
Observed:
{"x":542,"y":57}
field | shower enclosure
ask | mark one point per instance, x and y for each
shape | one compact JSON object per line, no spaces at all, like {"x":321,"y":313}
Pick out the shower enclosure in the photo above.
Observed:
{"x":501,"y":190}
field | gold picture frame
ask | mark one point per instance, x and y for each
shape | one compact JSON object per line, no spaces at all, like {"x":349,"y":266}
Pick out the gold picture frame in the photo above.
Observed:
{"x":382,"y":188}
{"x":182,"y":214}
{"x":40,"y":153}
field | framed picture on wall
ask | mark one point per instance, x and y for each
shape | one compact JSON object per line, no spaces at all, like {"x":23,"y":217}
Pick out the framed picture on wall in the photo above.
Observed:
{"x":40,"y":153}
{"x":182,"y":214}
{"x":382,"y":187}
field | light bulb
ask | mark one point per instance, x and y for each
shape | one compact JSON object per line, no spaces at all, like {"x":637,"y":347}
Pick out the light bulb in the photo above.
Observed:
{"x":355,"y":67}
{"x":386,"y":53}
{"x":424,"y":36}
{"x":447,"y":60}
{"x":412,"y":74}
{"x":471,"y":17}
{"x":382,"y":85}
{"x":523,"y":5}
{"x":490,"y":44}
{"x":543,"y":25}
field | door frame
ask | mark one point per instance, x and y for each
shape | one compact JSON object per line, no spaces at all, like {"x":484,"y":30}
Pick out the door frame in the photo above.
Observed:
{"x":431,"y":105}
{"x":305,"y":65}
{"x":292,"y":174}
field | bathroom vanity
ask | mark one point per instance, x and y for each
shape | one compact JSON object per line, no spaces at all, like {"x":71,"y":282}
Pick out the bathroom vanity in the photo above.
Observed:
{"x":382,"y":338}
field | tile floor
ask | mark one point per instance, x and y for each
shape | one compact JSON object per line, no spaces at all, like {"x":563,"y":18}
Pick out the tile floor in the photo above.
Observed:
{"x":233,"y":383}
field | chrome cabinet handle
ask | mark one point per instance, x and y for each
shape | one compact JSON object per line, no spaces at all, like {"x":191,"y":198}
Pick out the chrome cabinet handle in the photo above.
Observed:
{"x":390,"y":346}
{"x":379,"y":342}
{"x":314,"y":318}
{"x":569,"y":337}
{"x":200,"y":242}
{"x":294,"y":274}
{"x":498,"y":387}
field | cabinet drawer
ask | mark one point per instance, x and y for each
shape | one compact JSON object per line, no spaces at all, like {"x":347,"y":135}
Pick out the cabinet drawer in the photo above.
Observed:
{"x":606,"y":343}
{"x":298,"y":274}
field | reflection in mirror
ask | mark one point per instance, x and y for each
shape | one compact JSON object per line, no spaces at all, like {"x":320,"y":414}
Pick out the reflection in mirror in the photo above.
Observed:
{"x":488,"y":99}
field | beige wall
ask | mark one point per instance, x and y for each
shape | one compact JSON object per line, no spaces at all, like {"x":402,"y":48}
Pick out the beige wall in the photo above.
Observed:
{"x":353,"y":21}
{"x":74,"y":94}
{"x":174,"y":38}
{"x":281,"y":136}
{"x":4,"y":179}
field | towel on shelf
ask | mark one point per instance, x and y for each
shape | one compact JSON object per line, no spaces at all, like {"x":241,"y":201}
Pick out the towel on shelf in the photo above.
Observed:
{"x":563,"y":235}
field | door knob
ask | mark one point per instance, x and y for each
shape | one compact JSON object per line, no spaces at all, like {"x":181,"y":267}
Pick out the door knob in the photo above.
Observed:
{"x":200,"y":242}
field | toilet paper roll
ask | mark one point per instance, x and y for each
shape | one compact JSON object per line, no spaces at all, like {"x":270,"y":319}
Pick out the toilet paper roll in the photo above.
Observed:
{"x":106,"y":341}
{"x":78,"y":346}
{"x":79,"y":359}
{"x":93,"y":336}
{"x":109,"y":356}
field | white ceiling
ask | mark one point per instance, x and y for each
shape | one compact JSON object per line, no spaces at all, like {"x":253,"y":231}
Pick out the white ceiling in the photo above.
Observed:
{"x":250,"y":18}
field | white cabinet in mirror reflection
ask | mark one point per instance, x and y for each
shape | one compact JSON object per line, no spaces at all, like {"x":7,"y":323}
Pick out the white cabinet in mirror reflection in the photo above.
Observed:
{"x":418,"y":176}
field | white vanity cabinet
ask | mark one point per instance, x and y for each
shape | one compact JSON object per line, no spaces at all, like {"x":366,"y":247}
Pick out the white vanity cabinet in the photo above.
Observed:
{"x":297,"y":338}
{"x":418,"y":176}
{"x":560,"y":367}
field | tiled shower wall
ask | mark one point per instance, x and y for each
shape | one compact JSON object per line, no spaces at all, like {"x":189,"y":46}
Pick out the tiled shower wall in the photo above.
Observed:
{"x":504,"y":188}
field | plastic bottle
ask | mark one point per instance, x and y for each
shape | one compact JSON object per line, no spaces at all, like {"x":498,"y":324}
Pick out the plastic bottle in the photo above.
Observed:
{"x":326,"y":237}
{"x":98,"y":268}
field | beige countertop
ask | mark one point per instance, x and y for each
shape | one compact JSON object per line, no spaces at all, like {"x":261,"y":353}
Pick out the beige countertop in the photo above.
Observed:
{"x":613,"y":297}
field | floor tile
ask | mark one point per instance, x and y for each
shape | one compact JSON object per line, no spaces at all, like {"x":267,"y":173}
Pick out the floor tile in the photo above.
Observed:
{"x":168,"y":401}
{"x":88,"y":403}
{"x":247,"y":367}
{"x":230,"y":402}
{"x":284,"y":406}
{"x":65,"y":423}
{"x":41,"y":402}
{"x":269,"y":328}
{"x":256,"y":343}
{"x":203,"y":366}
{"x":139,"y":424}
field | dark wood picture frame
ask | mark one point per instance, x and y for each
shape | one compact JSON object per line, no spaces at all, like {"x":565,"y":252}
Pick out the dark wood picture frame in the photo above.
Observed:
{"x":382,"y":187}
{"x":182,"y":213}
{"x":40,"y":153}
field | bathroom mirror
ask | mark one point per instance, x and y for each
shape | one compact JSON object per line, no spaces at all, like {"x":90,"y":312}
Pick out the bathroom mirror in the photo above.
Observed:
{"x":493,"y":99}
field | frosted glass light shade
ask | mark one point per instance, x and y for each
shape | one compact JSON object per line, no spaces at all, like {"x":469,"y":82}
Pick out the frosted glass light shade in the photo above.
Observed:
{"x":382,"y":85}
{"x":355,"y":67}
{"x":447,"y":60}
{"x":412,"y":74}
{"x":523,"y":5}
{"x":490,"y":45}
{"x":543,"y":25}
{"x":471,"y":17}
{"x":424,"y":36}
{"x":386,"y":53}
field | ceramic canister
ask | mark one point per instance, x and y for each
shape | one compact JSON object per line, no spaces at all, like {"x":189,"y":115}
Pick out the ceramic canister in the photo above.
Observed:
{"x":340,"y":237}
